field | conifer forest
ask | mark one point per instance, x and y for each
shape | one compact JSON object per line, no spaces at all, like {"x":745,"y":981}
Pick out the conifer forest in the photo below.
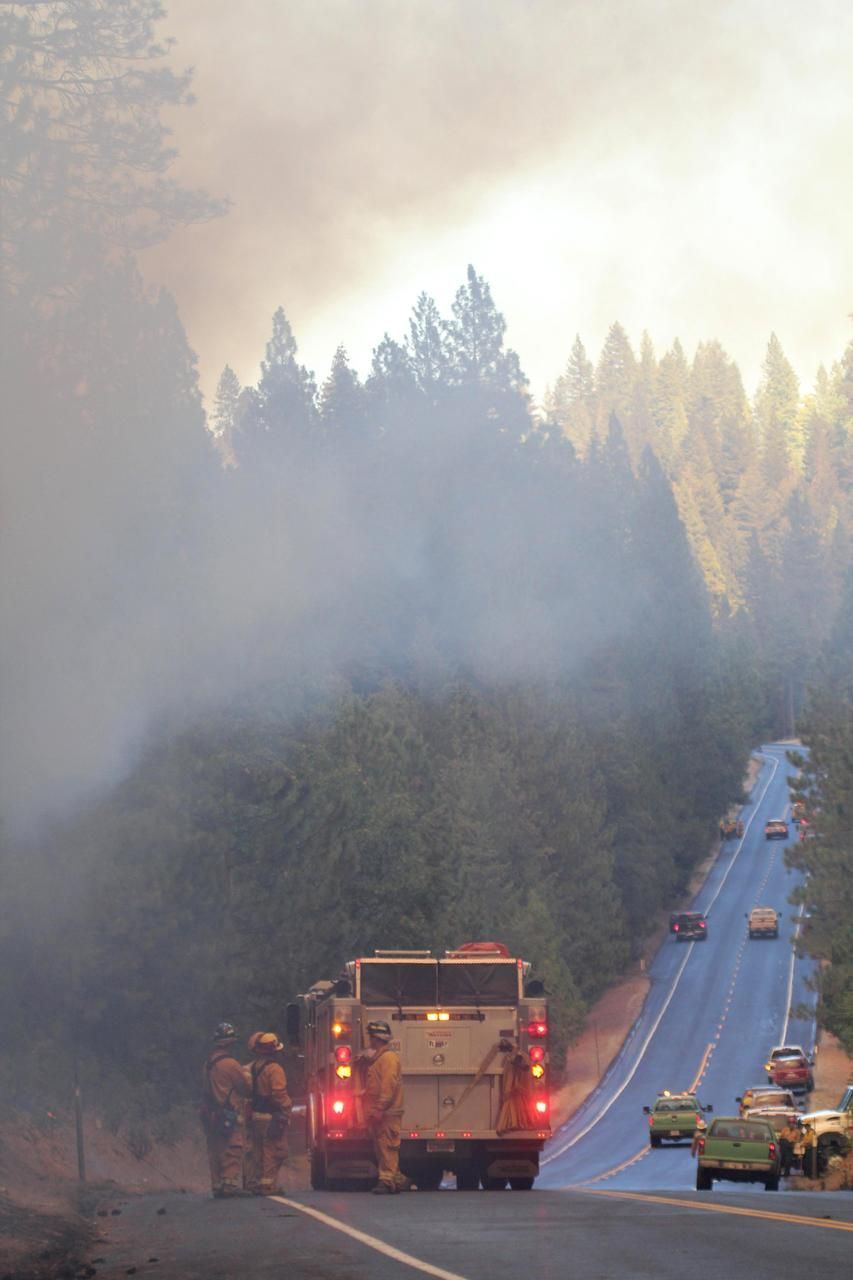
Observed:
{"x":394,"y":657}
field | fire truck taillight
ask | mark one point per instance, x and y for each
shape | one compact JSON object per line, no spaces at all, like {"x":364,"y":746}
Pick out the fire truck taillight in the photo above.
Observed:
{"x":537,"y":1029}
{"x":542,"y":1107}
{"x":339,"y":1029}
{"x":537,"y":1053}
{"x":338,"y":1106}
{"x":440,"y":1016}
{"x":537,"y":1071}
{"x":343,"y":1071}
{"x":343,"y":1053}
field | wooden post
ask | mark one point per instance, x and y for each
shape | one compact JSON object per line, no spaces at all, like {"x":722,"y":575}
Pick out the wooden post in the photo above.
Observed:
{"x":78,"y":1121}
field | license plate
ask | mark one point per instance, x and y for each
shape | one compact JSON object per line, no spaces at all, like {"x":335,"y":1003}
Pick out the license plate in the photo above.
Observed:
{"x":447,"y":1145}
{"x":675,"y":1133}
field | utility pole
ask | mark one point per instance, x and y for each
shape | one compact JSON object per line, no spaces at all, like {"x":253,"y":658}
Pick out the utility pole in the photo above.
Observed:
{"x":78,"y":1121}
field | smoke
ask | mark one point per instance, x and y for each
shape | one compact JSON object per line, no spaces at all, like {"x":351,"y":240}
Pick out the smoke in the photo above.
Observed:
{"x":361,"y":143}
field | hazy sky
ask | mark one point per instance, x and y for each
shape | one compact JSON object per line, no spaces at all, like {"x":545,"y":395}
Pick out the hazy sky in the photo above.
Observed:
{"x":682,"y":167}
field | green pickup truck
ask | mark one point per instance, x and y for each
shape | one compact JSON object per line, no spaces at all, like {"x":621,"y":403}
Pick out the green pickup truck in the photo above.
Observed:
{"x":673,"y":1117}
{"x":738,"y":1150}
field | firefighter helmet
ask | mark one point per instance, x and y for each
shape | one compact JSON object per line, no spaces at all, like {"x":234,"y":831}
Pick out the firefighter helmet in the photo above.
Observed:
{"x":225,"y":1031}
{"x":252,"y":1042}
{"x":268,"y":1042}
{"x":379,"y":1030}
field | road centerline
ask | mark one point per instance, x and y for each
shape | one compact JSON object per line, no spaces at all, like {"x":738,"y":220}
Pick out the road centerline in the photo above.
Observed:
{"x":794,"y":1219}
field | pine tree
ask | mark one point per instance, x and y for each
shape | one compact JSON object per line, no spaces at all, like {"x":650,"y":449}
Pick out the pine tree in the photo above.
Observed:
{"x":475,"y":338}
{"x":343,"y":410}
{"x":279,"y":422}
{"x":427,"y":345}
{"x":572,"y":400}
{"x":776,"y":406}
{"x":615,"y":376}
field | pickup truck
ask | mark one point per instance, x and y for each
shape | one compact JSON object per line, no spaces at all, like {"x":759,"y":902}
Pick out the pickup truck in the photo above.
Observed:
{"x":776,"y":829}
{"x":674,"y":1117}
{"x":731,"y":828}
{"x":738,"y":1150}
{"x":834,"y":1129}
{"x":765,"y":1096}
{"x":690,"y":926}
{"x":763,"y":922}
{"x":794,"y":1072}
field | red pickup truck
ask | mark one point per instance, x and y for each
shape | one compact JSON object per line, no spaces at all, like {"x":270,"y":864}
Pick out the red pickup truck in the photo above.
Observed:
{"x":794,"y":1072}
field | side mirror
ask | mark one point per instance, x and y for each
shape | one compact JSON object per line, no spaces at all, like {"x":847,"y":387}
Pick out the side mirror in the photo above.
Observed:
{"x":710,"y":1108}
{"x":293,"y":1024}
{"x":738,"y":1099}
{"x":647,"y":1111}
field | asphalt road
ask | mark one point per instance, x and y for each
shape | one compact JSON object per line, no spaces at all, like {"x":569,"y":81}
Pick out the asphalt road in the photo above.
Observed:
{"x":714,"y":1010}
{"x":546,"y":1235}
{"x":606,"y":1205}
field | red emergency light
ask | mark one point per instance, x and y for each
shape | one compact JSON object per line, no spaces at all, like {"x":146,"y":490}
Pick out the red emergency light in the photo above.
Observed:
{"x":537,"y":1029}
{"x":343,"y":1053}
{"x":541,"y":1106}
{"x":339,"y":1106}
{"x":537,"y":1053}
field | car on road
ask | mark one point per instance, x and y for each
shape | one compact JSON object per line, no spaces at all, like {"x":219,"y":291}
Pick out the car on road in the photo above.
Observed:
{"x":690,"y":926}
{"x":765,"y":1095}
{"x":737,"y":1149}
{"x":793,"y":1071}
{"x":674,"y":1117}
{"x":778,"y":1117}
{"x":763,"y":922}
{"x":776,"y":829}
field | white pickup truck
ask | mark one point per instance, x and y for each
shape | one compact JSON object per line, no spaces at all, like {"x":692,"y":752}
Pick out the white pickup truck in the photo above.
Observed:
{"x":834,"y":1129}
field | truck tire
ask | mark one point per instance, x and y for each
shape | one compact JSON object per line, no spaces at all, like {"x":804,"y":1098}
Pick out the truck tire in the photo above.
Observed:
{"x":654,"y":1140}
{"x":521,"y":1184}
{"x":492,"y":1184}
{"x":772,"y":1184}
{"x":319,"y":1182}
{"x":467,"y":1180}
{"x":704,"y":1181}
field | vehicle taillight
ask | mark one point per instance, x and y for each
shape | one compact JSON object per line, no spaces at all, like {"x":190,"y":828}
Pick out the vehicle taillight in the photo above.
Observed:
{"x":542,"y":1106}
{"x":771,"y":1147}
{"x":701,"y":1146}
{"x":340,"y":1029}
{"x":698,"y":1119}
{"x":675,"y":928}
{"x":701,"y":924}
{"x":537,"y":1029}
{"x":651,"y":1121}
{"x":343,"y":1071}
{"x":343,"y":1053}
{"x":339,"y":1106}
{"x":537,"y":1053}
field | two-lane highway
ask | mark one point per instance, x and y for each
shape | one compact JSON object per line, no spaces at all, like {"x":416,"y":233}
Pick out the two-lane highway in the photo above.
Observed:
{"x":714,"y":1010}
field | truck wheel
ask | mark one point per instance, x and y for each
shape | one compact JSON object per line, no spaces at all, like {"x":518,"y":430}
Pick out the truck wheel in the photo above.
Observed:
{"x":703,"y":1180}
{"x":654,"y":1140}
{"x":772,"y":1184}
{"x":318,"y":1170}
{"x":492,"y":1184}
{"x":426,"y":1177}
{"x":467,"y":1180}
{"x":521,"y":1184}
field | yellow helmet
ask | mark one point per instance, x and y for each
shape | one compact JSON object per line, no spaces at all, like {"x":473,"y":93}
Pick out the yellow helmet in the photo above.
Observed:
{"x":268,"y":1042}
{"x":252,"y":1042}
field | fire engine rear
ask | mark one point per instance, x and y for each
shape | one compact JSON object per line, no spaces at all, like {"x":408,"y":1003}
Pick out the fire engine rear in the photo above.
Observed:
{"x":471,"y":1029}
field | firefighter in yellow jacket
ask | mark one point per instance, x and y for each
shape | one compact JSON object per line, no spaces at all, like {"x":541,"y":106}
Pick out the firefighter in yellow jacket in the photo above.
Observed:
{"x":270,"y":1115}
{"x":383,"y":1109}
{"x":224,"y":1088}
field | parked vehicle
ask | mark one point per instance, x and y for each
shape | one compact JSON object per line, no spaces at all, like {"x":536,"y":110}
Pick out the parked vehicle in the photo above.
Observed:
{"x":765,"y":1096}
{"x":792,"y":1072}
{"x":731,"y":829}
{"x":776,"y":829}
{"x":834,"y":1129}
{"x":738,"y":1150}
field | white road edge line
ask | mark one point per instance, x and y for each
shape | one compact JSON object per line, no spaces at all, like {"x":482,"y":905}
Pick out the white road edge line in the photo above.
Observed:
{"x":372,"y":1242}
{"x":553,"y":1155}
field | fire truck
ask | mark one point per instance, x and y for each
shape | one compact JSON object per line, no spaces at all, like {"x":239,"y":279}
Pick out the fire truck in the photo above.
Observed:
{"x":471,"y":1029}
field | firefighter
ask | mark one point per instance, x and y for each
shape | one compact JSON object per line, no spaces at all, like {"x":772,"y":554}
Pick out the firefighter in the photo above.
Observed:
{"x":224,"y":1088}
{"x":383,"y":1109}
{"x":698,"y":1132}
{"x":247,"y":1148}
{"x":789,"y":1136}
{"x":270,"y":1116}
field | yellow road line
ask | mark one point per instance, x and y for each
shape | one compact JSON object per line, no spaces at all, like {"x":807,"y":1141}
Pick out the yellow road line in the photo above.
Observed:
{"x":609,"y":1173}
{"x":797,"y":1219}
{"x":372,"y":1242}
{"x":702,"y":1065}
